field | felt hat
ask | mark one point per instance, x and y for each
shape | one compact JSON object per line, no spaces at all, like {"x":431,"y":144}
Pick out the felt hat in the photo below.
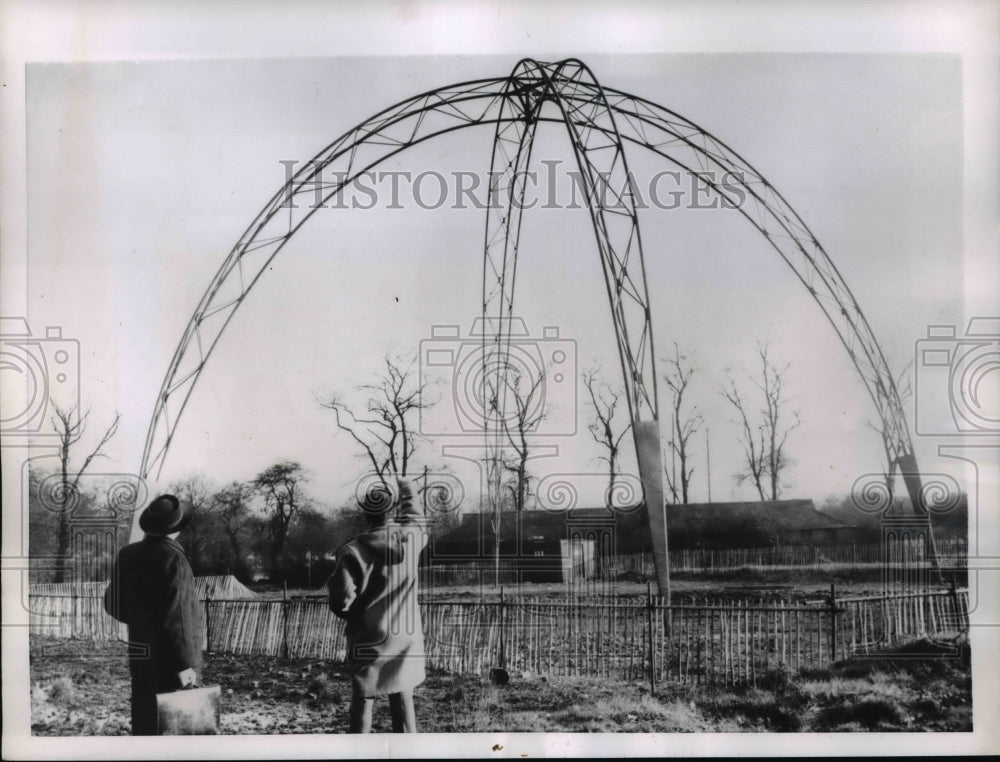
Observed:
{"x":165,"y":515}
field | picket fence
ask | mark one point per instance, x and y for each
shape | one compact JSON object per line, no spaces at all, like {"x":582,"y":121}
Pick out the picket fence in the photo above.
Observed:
{"x":629,"y":638}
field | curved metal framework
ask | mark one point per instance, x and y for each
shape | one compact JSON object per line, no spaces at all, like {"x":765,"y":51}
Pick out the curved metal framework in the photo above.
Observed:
{"x":608,"y":186}
{"x":599,"y":121}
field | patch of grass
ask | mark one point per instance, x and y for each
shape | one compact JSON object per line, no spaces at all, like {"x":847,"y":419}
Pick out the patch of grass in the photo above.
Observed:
{"x":321,"y":688}
{"x":759,"y":710}
{"x":778,"y":679}
{"x":527,"y":722}
{"x":834,"y":688}
{"x":62,"y":692}
{"x":487,"y":711}
{"x":815,"y":673}
{"x":868,"y":713}
{"x":624,"y":713}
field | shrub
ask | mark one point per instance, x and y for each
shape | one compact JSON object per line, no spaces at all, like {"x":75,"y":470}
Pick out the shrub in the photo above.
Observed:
{"x":777,"y":679}
{"x":62,"y":691}
{"x":321,"y":687}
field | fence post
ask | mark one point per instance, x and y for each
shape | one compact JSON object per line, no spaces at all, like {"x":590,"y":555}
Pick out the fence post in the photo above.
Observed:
{"x":953,"y":594}
{"x":833,"y":622}
{"x":503,"y":655}
{"x":284,"y":618}
{"x":208,"y":631}
{"x":649,"y":633}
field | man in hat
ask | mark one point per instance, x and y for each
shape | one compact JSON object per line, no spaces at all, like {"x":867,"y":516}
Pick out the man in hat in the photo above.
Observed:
{"x":374,"y":588}
{"x":152,"y":590}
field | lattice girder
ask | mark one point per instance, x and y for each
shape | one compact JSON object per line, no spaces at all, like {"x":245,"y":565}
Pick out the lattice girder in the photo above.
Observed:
{"x":599,"y":119}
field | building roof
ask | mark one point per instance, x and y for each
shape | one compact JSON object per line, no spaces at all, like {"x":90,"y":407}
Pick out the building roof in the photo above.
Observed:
{"x":741,"y":524}
{"x":775,"y":515}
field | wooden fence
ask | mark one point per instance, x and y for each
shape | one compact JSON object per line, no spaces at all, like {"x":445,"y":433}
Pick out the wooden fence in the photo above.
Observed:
{"x":630,"y":638}
{"x":952,"y":553}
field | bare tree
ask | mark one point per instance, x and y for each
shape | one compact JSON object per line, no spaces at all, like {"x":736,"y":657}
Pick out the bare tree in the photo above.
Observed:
{"x":903,"y":381}
{"x":232,"y":505}
{"x":503,"y":502}
{"x":282,"y":490}
{"x":605,"y":401}
{"x":683,"y":426}
{"x":386,"y":432}
{"x":198,"y":491}
{"x":518,"y":420}
{"x":517,"y":408}
{"x":70,"y":427}
{"x":752,"y":440}
{"x":764,"y":436}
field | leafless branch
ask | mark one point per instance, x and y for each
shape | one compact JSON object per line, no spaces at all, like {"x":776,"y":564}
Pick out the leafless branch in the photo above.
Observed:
{"x":683,"y":425}
{"x":604,"y":401}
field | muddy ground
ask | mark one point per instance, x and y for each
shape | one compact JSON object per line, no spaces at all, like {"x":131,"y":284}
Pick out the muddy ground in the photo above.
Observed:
{"x":81,"y":688}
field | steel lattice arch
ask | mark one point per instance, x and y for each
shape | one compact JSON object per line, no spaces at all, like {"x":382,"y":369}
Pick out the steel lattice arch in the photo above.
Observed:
{"x":600,"y":122}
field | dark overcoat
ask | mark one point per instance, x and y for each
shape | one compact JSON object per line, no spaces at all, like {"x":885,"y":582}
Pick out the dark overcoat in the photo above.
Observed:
{"x":152,"y":590}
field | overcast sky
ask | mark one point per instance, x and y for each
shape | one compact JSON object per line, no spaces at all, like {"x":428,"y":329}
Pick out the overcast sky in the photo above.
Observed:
{"x":142,"y":176}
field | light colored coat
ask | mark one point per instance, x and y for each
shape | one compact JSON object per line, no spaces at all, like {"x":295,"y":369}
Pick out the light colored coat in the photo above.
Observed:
{"x":374,"y":588}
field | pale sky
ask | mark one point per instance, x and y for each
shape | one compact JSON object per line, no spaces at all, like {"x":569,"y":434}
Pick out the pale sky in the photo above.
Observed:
{"x":141,"y":177}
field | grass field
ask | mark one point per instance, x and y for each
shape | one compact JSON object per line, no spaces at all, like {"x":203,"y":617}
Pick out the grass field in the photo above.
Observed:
{"x":81,"y":688}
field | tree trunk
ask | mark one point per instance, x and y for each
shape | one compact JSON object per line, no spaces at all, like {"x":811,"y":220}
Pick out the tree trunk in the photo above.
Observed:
{"x":242,"y":572}
{"x":62,"y":546}
{"x":496,"y":550}
{"x":611,"y":484}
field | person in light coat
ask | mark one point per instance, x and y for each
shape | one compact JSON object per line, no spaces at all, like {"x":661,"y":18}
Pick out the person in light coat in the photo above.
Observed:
{"x":152,"y":590}
{"x":374,"y":588}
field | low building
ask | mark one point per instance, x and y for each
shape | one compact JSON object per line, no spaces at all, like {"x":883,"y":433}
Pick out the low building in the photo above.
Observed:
{"x":754,"y":525}
{"x":557,"y":543}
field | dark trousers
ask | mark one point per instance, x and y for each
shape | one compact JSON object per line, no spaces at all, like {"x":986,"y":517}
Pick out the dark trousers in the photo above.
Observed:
{"x":145,"y":686}
{"x":143,"y":712}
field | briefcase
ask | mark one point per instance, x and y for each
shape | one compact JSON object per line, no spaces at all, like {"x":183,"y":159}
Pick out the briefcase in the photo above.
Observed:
{"x":188,"y":712}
